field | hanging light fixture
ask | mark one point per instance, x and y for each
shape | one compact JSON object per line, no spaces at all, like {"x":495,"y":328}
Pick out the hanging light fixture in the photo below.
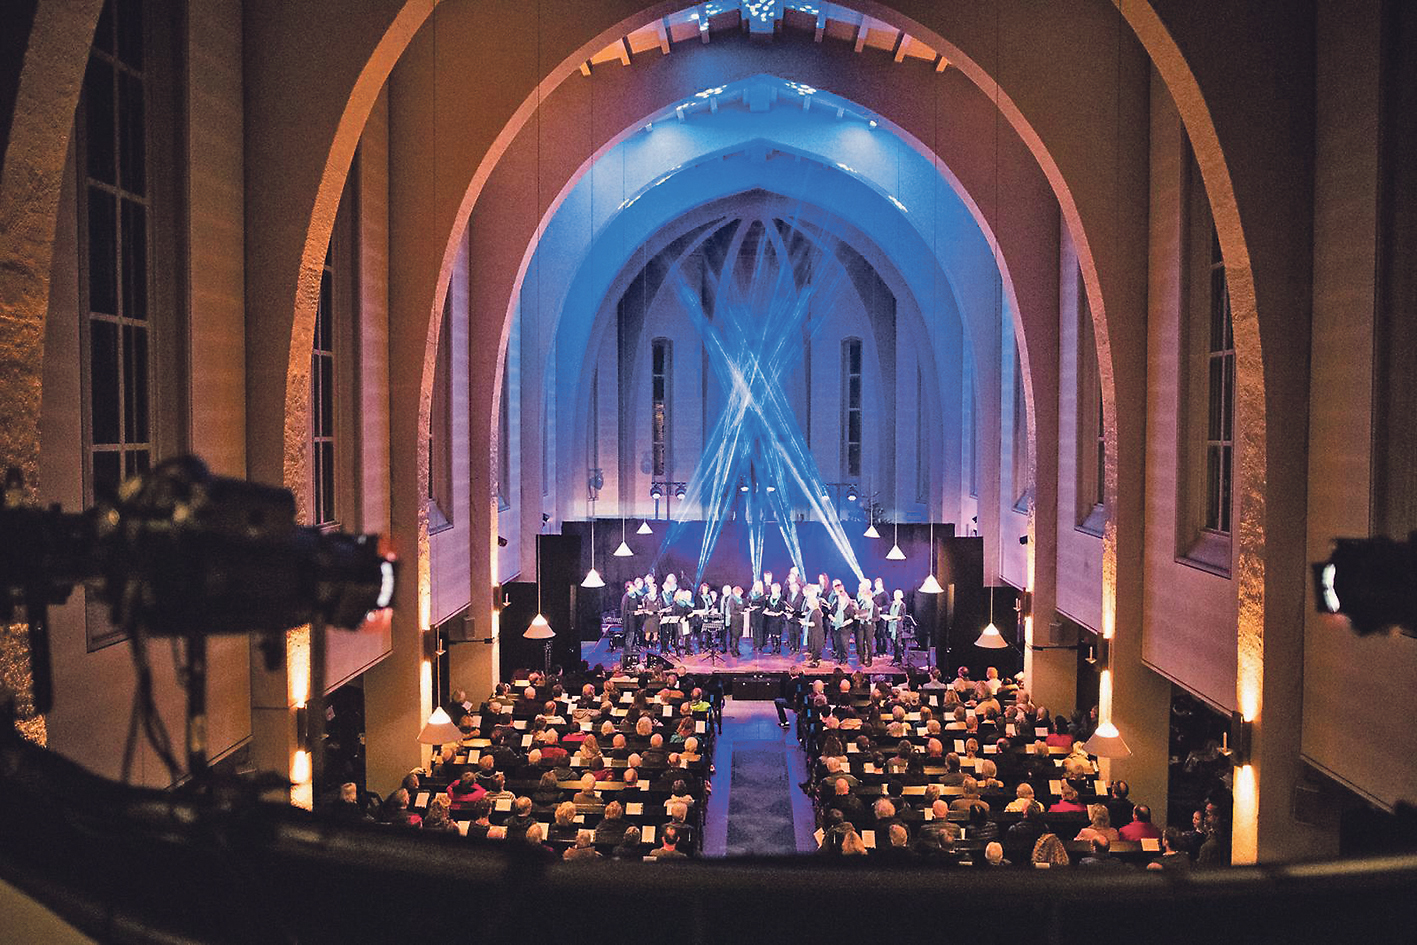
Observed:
{"x":1107,"y":742}
{"x":644,"y":528}
{"x":439,"y":730}
{"x":895,"y":554}
{"x":592,"y":577}
{"x":539,"y":629}
{"x":930,"y":585}
{"x":624,"y":550}
{"x":870,"y":531}
{"x":990,"y":638}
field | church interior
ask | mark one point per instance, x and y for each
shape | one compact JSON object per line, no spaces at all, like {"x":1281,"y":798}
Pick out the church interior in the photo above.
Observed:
{"x":1079,"y":324}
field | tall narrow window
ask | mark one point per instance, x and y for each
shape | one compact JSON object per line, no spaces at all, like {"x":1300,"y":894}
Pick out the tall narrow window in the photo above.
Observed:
{"x":1021,"y":473}
{"x":1205,"y":454}
{"x":973,"y":436}
{"x":116,"y":208}
{"x":440,"y":453}
{"x":1099,"y":495}
{"x":1091,"y":447}
{"x":661,"y":357}
{"x":1220,"y":397}
{"x":851,"y":406}
{"x":322,"y":399}
{"x":922,"y":447}
{"x":504,"y":442}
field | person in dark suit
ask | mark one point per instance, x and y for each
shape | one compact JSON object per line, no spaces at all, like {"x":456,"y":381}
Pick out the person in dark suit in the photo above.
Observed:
{"x":897,"y":849}
{"x":816,"y":635}
{"x":1026,"y":832}
{"x":611,"y":829}
{"x":864,"y":628}
{"x":774,"y":618}
{"x":1102,"y":857}
{"x":882,"y":600}
{"x":757,"y":600}
{"x":843,"y":619}
{"x":849,"y":804}
{"x":1174,"y":855}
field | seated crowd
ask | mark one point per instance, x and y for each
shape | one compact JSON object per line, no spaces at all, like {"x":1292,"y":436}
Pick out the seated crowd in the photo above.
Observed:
{"x":572,"y":768}
{"x":972,"y":773}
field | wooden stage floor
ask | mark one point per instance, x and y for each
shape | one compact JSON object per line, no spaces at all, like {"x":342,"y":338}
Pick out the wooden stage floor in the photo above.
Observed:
{"x":598,"y":651}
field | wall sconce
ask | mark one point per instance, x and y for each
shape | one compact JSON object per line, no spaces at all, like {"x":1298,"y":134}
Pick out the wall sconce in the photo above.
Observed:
{"x":1242,"y":738}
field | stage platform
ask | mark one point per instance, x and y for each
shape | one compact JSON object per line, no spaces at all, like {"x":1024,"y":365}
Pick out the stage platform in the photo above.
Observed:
{"x":747,"y":664}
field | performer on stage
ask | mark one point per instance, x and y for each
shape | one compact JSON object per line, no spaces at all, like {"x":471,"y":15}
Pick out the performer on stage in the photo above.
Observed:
{"x":774,"y":614}
{"x":650,"y":606}
{"x":795,"y":602}
{"x":703,"y":606}
{"x":628,"y":603}
{"x":895,"y":620}
{"x":733,"y":613}
{"x":865,"y":628}
{"x":755,"y":615}
{"x":882,"y":599}
{"x":843,"y":619}
{"x":812,"y":614}
{"x":679,"y":613}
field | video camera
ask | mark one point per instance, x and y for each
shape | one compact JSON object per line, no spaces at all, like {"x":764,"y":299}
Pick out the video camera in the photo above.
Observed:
{"x":183,"y":552}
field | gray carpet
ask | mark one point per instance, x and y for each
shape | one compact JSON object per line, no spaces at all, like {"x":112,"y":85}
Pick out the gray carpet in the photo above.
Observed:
{"x":759,"y":806}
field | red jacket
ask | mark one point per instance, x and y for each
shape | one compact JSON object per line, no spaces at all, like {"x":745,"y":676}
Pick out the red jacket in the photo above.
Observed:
{"x":461,"y":798}
{"x":1136,"y":831}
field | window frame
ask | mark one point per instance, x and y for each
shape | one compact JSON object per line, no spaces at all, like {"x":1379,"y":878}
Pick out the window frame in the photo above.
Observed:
{"x":1199,"y":543}
{"x":849,"y":345}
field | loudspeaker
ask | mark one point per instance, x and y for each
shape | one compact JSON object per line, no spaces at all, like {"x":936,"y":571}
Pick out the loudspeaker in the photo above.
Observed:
{"x":461,"y":629}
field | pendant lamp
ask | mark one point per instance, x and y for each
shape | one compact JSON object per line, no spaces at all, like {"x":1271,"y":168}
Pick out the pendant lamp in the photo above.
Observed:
{"x":1107,"y":742}
{"x":644,"y":528}
{"x":871,"y":516}
{"x":990,"y":638}
{"x":439,"y":730}
{"x":592,"y":577}
{"x":930,"y":585}
{"x":624,"y":550}
{"x":895,"y":554}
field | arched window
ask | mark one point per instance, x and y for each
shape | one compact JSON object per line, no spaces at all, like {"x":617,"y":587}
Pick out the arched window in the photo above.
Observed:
{"x":851,"y":407}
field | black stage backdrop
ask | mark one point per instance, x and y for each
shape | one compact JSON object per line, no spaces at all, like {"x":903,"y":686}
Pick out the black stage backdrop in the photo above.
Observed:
{"x":561,"y":574}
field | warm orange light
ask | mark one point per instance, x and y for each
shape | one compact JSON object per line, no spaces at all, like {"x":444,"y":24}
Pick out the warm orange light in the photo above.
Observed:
{"x":297,"y":661}
{"x":1244,"y":835}
{"x":302,"y":789}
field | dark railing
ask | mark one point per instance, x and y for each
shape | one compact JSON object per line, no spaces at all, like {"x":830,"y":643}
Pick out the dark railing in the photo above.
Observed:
{"x":137,"y":865}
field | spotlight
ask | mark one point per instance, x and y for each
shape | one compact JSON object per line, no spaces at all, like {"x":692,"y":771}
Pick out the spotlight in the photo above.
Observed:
{"x":545,"y":518}
{"x":655,"y":492}
{"x":597,"y":481}
{"x":501,"y":542}
{"x":679,"y":493}
{"x":851,"y":494}
{"x":1372,"y":582}
{"x":743,"y":487}
{"x":1023,"y":539}
{"x":772,"y":488}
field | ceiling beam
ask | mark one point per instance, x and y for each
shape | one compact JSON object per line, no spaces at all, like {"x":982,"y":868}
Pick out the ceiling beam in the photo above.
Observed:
{"x":821,"y":24}
{"x":663,"y":28}
{"x":942,"y":64}
{"x":624,"y":50}
{"x":585,"y":68}
{"x":902,"y":42}
{"x":861,"y":35}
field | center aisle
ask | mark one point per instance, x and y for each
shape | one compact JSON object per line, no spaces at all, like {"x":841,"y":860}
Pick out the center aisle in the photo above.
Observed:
{"x":756,"y":807}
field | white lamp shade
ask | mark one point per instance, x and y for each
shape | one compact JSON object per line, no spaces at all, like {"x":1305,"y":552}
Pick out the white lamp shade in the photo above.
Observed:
{"x":623,"y":551}
{"x":644,"y":529}
{"x":931,"y":586}
{"x":593,"y":579}
{"x":871,"y":532}
{"x":1107,"y":742}
{"x":895,"y":554}
{"x":991,"y":639}
{"x":439,"y":730}
{"x":539,"y":629}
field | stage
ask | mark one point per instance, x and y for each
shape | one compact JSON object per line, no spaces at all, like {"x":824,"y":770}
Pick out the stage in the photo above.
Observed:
{"x":747,"y":664}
